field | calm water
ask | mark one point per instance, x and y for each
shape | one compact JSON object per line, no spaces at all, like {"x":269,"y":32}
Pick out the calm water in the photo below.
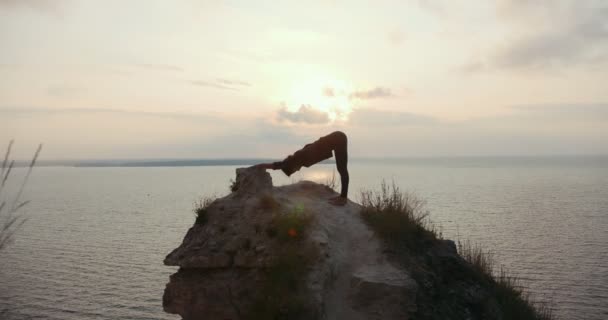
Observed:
{"x":96,"y":237}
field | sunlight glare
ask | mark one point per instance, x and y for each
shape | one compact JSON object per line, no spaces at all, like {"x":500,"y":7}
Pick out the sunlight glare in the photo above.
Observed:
{"x":323,"y":94}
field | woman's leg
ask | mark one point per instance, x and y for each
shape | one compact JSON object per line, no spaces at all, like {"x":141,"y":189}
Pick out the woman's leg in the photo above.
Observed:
{"x":341,"y":153}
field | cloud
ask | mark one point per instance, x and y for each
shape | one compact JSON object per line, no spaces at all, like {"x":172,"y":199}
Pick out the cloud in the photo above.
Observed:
{"x":264,"y":139}
{"x":305,"y":114}
{"x":377,"y":92}
{"x":576,"y":44}
{"x":530,"y":116}
{"x":587,"y":112}
{"x":48,"y":6}
{"x":114,"y":133}
{"x":64,"y":91}
{"x":396,"y":37}
{"x":572,"y":128}
{"x":202,"y":83}
{"x":229,"y":82}
{"x":204,"y":118}
{"x":435,"y":6}
{"x":473,"y":66}
{"x":329,"y":92}
{"x":370,"y":117}
{"x":547,"y":33}
{"x":158,"y":67}
{"x":568,"y":128}
{"x":221,"y":83}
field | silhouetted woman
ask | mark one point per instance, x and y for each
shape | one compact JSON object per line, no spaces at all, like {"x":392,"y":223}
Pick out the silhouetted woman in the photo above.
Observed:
{"x":316,"y":152}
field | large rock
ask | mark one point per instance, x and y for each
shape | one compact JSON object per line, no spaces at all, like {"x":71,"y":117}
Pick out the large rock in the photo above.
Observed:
{"x":230,"y":262}
{"x":252,"y":180}
{"x":223,"y":262}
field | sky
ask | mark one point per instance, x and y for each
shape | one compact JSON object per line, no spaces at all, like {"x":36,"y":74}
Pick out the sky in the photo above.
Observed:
{"x":249,"y":79}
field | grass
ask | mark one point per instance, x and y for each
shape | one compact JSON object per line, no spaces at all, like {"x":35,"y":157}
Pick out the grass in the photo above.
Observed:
{"x":331,"y":181}
{"x":482,"y":261}
{"x":398,"y":217}
{"x":402,"y":222}
{"x":10,"y":221}
{"x":269,"y":203}
{"x":284,"y":292}
{"x":201,"y":209}
{"x":510,"y":294}
{"x":233,"y":185}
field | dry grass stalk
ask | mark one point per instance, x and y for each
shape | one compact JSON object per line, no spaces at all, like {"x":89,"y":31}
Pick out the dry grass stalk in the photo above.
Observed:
{"x":10,"y":222}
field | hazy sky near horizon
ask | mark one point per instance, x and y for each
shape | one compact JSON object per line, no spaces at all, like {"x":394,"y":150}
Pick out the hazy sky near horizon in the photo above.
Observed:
{"x":216,"y":79}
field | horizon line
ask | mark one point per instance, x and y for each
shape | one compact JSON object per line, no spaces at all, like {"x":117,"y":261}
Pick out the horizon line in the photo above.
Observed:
{"x":151,"y":162}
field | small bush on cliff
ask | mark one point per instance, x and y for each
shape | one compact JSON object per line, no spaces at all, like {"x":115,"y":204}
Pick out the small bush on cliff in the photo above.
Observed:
{"x":514,"y":302}
{"x":233,"y":185}
{"x":397,"y":217}
{"x":481,"y":261}
{"x":200,"y":209}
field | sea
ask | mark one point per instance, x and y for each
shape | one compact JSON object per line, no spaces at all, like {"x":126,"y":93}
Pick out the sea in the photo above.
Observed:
{"x":95,"y":236}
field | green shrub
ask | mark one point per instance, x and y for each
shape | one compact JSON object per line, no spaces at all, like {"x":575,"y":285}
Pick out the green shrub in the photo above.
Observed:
{"x":200,"y":209}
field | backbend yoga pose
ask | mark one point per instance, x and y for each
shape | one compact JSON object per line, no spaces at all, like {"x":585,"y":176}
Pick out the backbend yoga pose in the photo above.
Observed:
{"x":316,"y":152}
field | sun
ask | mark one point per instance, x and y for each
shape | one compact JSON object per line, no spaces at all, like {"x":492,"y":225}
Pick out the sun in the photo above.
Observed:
{"x":323,"y":94}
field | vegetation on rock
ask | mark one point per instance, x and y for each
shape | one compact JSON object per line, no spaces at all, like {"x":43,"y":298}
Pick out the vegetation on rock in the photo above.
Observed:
{"x":284,"y":293}
{"x":515,"y":303}
{"x":200,"y":209}
{"x":398,"y":217}
{"x":454,"y":285}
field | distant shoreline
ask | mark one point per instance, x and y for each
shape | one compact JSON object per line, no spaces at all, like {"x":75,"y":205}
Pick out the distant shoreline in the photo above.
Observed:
{"x":585,"y":160}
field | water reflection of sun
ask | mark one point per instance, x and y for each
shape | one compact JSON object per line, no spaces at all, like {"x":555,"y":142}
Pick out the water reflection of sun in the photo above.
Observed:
{"x":322,"y":94}
{"x":321,"y":176}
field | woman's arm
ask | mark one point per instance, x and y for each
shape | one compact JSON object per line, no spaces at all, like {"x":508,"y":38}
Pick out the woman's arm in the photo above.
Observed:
{"x":265,"y":166}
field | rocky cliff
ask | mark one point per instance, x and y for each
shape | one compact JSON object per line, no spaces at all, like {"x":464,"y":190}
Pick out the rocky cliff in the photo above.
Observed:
{"x":265,"y":252}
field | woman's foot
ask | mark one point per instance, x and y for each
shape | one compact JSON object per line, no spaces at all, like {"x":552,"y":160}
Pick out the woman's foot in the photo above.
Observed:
{"x":338,"y":201}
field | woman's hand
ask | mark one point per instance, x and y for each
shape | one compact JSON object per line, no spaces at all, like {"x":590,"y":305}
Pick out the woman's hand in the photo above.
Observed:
{"x":264,"y":166}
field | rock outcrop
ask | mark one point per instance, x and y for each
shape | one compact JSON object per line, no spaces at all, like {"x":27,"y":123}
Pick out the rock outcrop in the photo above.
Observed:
{"x":222,"y":262}
{"x":228,"y":259}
